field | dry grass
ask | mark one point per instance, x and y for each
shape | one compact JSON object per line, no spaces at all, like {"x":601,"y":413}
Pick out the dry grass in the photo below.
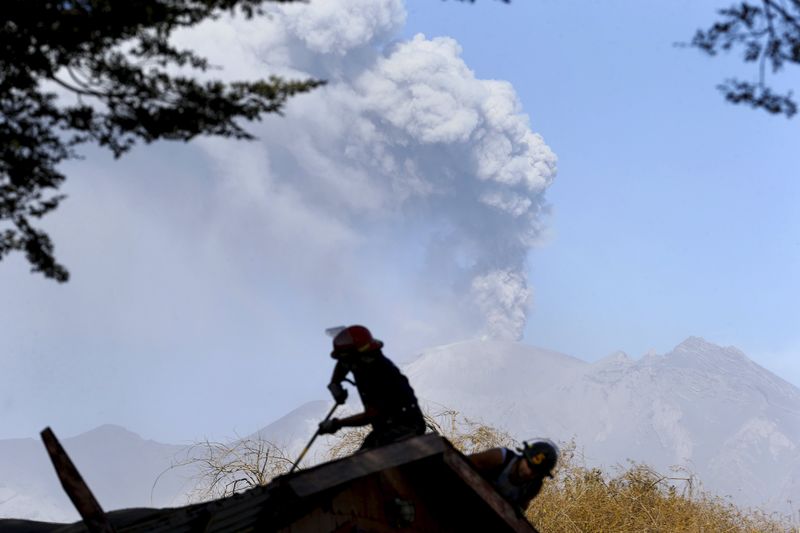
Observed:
{"x":632,"y":500}
{"x":347,"y":442}
{"x":578,"y":500}
{"x":467,"y":435}
{"x":636,"y":499}
{"x":223,"y":469}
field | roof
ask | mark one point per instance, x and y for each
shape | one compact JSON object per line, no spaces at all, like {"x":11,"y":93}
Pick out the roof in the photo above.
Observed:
{"x":419,"y":484}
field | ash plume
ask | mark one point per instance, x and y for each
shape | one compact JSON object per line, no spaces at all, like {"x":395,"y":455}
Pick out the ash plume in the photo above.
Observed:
{"x":404,"y":147}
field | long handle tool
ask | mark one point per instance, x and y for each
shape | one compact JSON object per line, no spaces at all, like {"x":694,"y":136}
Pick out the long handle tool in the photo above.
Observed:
{"x":316,"y":434}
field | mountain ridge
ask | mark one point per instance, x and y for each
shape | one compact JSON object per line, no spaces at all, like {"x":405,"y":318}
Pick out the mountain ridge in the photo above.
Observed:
{"x":699,"y":406}
{"x":703,"y":406}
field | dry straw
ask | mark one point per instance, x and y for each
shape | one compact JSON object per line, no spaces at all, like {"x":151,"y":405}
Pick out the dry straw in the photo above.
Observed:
{"x":637,"y":499}
{"x":578,"y":499}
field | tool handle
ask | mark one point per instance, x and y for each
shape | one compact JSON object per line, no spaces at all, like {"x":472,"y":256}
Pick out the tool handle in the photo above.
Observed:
{"x":313,"y":438}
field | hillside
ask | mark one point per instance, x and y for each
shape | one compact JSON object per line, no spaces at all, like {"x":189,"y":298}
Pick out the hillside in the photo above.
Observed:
{"x":702,"y":406}
{"x":708,"y":408}
{"x":118,"y":465}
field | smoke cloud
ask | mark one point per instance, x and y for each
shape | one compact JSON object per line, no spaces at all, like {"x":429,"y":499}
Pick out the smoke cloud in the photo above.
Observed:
{"x":404,"y":195}
{"x":403,"y":149}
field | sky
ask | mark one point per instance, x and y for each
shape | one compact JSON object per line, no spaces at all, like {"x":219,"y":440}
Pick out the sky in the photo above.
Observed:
{"x":556,"y":172}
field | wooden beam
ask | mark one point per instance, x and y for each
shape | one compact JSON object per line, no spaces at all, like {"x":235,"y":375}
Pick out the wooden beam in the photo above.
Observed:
{"x":76,"y":488}
{"x":361,"y":464}
{"x":459,"y":464}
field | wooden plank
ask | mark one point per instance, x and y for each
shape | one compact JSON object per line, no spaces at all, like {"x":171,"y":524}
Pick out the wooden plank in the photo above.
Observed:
{"x":422,"y":471}
{"x":76,"y":488}
{"x":361,"y":464}
{"x":459,"y":464}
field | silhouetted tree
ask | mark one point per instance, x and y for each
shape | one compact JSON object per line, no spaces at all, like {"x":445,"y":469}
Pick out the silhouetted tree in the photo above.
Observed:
{"x":768,"y":32}
{"x":116,"y":58}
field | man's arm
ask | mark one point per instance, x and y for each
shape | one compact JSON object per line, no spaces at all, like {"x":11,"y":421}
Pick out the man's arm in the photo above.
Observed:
{"x":333,"y":425}
{"x":335,"y":386}
{"x":361,"y":419}
{"x":340,"y":372}
{"x":486,"y":461}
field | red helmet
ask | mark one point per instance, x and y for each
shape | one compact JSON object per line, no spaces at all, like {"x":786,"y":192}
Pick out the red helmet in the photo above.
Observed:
{"x":354,"y":340}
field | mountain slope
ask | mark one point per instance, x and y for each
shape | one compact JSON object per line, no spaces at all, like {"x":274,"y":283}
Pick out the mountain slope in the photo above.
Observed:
{"x":701,"y":406}
{"x":123,"y":470}
{"x":119,"y":466}
{"x":709,"y":408}
{"x":501,"y":382}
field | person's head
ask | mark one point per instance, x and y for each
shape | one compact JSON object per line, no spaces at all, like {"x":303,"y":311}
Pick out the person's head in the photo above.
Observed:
{"x":540,"y":458}
{"x":355,"y":343}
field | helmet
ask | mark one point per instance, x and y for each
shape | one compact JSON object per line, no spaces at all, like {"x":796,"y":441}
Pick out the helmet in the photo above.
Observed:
{"x":354,"y":340}
{"x":542,"y":455}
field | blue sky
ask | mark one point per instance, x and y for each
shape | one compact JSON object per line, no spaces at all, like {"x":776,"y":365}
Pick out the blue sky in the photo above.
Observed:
{"x":203,"y":275}
{"x":674,"y":212}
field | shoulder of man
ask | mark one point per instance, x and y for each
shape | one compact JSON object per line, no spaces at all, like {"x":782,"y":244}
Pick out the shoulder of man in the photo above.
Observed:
{"x":379,"y":363}
{"x":508,"y":456}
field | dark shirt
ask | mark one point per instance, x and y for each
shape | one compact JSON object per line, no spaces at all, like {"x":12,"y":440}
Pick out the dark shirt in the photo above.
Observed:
{"x":383,"y":387}
{"x":500,"y":476}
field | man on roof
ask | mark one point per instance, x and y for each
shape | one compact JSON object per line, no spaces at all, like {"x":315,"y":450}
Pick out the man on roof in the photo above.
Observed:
{"x":389,"y":401}
{"x":518,"y":476}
